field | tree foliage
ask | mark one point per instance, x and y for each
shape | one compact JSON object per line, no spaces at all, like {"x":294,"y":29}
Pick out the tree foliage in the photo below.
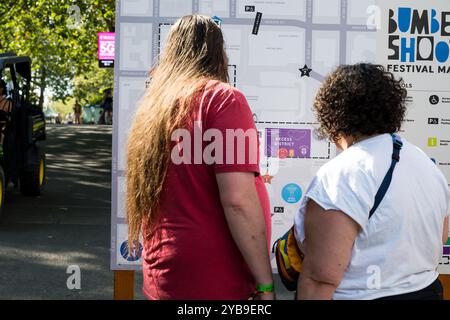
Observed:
{"x":88,"y":86}
{"x":60,"y":36}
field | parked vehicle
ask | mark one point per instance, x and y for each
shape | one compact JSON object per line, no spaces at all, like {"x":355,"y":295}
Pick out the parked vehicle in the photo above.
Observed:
{"x":22,"y":129}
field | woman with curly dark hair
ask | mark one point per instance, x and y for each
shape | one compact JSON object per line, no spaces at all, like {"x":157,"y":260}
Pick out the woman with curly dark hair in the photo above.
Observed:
{"x":373,"y":219}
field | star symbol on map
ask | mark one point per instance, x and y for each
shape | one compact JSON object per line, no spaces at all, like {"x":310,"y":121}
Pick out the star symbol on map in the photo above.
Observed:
{"x":305,"y":71}
{"x":267,"y":178}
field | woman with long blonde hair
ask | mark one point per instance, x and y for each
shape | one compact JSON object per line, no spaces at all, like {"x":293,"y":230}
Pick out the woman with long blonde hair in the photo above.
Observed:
{"x":205,"y":224}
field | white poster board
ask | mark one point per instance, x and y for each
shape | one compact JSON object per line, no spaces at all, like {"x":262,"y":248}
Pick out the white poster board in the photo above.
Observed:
{"x":279,"y":69}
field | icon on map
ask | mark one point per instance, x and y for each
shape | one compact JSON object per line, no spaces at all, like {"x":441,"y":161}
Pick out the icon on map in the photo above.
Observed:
{"x":434,"y":99}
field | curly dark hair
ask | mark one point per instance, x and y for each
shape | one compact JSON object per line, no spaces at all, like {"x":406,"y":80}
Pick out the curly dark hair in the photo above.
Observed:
{"x":360,"y":99}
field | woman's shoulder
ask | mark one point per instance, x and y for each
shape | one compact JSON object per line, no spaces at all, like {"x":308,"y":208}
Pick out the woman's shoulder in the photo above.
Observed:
{"x":349,"y":170}
{"x":222,"y":87}
{"x":343,"y":162}
{"x":223,"y":94}
{"x":224,"y":104}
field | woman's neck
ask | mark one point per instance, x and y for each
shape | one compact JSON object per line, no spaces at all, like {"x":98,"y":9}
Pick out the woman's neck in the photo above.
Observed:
{"x":347,"y":141}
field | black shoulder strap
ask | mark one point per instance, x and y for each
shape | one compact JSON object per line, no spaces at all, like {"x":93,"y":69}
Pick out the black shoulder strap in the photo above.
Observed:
{"x":398,"y":144}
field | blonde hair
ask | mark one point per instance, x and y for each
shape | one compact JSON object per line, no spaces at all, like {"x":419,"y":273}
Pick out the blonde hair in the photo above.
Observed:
{"x":194,"y":53}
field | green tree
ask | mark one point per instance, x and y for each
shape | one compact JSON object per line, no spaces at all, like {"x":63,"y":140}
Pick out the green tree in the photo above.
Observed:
{"x":60,"y":36}
{"x":87,"y":86}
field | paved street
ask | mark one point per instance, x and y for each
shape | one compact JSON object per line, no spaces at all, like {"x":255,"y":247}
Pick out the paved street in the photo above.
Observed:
{"x":68,"y":225}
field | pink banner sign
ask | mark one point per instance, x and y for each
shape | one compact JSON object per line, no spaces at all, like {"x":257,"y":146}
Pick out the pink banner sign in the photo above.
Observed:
{"x":106,"y":45}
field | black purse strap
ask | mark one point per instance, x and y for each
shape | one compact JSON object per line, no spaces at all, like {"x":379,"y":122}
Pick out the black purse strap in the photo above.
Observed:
{"x":398,"y":144}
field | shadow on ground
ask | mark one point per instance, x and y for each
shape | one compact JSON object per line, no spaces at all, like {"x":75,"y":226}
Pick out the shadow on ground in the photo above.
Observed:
{"x":68,"y":225}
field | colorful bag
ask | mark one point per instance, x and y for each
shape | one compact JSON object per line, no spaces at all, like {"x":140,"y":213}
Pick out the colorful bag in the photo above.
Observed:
{"x":289,"y":259}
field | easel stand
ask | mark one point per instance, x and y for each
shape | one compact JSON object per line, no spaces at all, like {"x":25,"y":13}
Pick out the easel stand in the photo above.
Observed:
{"x":123,"y":285}
{"x":445,"y":280}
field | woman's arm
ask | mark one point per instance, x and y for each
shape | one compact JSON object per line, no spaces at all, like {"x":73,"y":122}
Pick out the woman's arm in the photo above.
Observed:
{"x":245,"y":219}
{"x":330,"y":236}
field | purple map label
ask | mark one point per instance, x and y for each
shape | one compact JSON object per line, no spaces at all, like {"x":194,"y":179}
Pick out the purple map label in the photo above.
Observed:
{"x":288,"y":143}
{"x":446,"y":250}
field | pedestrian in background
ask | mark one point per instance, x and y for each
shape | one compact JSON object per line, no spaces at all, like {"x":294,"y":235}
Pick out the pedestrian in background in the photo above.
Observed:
{"x":5,"y":103}
{"x":58,"y":119}
{"x":77,"y":112}
{"x":5,"y":110}
{"x":107,"y":107}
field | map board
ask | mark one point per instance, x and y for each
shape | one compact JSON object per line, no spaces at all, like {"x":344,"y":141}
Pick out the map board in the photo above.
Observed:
{"x":279,"y":69}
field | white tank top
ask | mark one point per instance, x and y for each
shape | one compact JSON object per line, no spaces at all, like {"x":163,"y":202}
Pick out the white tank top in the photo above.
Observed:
{"x":399,"y":248}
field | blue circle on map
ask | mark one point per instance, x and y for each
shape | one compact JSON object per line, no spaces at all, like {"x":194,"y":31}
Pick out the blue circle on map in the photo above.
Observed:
{"x":291,"y":193}
{"x":131,"y":256}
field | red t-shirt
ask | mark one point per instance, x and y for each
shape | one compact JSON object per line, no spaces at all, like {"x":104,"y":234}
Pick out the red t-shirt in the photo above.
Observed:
{"x":191,"y":254}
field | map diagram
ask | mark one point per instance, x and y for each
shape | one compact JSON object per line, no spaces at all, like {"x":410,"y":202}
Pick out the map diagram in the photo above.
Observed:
{"x":279,"y":70}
